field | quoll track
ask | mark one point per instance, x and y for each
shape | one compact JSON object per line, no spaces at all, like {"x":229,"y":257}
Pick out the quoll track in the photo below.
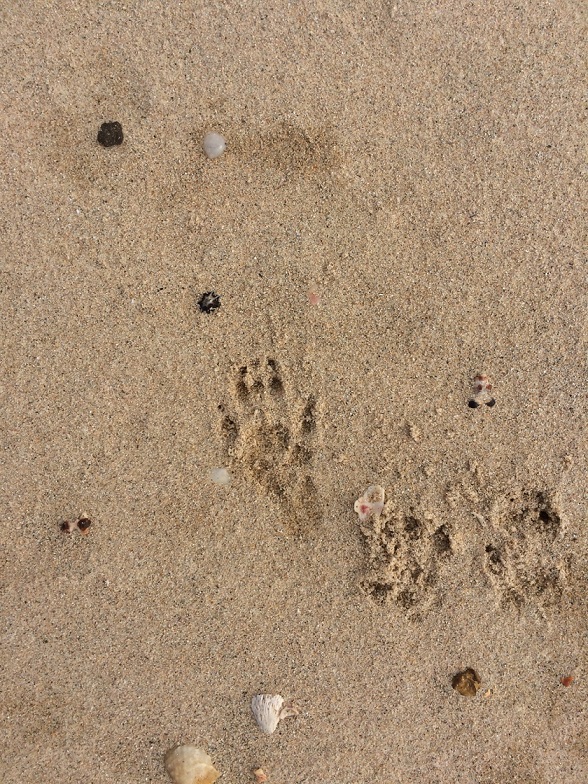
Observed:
{"x":272,"y":441}
{"x":407,"y":553}
{"x":523,"y":554}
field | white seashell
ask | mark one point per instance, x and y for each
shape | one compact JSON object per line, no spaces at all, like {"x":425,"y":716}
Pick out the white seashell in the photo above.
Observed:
{"x":213,"y":145}
{"x":370,"y":503}
{"x":189,"y":765}
{"x":269,"y":709}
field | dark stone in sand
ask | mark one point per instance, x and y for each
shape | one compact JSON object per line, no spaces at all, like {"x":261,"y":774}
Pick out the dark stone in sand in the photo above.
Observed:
{"x":110,"y":133}
{"x":209,"y":302}
{"x":84,"y":523}
{"x":467,"y":682}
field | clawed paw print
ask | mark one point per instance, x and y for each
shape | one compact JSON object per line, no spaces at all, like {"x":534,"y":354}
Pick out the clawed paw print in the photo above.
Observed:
{"x":270,"y":440}
{"x":407,"y":553}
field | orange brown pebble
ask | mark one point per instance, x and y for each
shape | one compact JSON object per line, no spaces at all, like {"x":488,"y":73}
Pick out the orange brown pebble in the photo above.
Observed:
{"x":567,"y":680}
{"x":467,"y":682}
{"x":260,"y":775}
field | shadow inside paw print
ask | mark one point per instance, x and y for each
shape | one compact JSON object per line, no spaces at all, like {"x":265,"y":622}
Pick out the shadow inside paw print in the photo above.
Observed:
{"x":271,"y":441}
{"x":407,"y":553}
{"x":523,"y":559}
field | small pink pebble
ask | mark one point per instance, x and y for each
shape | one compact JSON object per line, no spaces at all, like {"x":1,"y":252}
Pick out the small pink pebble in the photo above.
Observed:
{"x":370,"y":504}
{"x":314,"y":298}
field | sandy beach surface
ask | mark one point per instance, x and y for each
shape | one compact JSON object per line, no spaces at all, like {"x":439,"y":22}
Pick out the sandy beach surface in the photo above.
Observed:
{"x":401,"y":207}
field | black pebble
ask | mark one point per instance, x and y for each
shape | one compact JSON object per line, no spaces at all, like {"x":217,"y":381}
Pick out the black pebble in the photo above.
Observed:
{"x":473,"y":404}
{"x":491,"y":403}
{"x":110,"y":133}
{"x":209,"y":302}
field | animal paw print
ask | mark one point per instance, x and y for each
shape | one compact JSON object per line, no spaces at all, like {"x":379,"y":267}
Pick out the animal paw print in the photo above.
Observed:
{"x":271,"y":442}
{"x":407,"y":553}
{"x":523,"y":558}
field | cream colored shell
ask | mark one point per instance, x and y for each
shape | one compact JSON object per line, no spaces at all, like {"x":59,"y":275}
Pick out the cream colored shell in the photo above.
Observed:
{"x":189,"y":765}
{"x":269,"y":709}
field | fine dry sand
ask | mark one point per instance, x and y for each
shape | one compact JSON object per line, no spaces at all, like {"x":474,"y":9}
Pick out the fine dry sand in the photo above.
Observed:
{"x":421,"y":169}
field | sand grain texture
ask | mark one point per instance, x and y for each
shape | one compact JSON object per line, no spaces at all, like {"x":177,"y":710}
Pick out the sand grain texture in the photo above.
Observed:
{"x":421,"y":168}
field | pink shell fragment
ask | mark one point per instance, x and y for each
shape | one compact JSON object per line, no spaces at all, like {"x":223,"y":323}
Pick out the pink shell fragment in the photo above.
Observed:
{"x":371,"y":503}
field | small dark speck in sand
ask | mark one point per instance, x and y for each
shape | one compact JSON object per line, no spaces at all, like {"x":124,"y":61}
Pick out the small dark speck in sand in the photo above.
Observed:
{"x":84,"y":524}
{"x":110,"y":134}
{"x":209,"y":302}
{"x":473,"y":404}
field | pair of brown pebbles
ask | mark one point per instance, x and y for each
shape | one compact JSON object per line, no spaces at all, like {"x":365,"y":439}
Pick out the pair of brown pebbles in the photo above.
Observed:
{"x":83,"y":524}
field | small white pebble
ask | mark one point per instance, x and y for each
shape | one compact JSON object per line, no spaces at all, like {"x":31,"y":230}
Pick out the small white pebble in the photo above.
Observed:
{"x":213,"y":144}
{"x":220,"y":476}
